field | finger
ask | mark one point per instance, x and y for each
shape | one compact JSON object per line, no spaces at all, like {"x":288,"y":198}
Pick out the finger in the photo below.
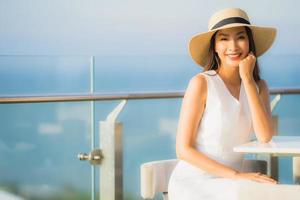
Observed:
{"x":265,"y":178}
{"x":263,"y":175}
{"x":262,"y":180}
{"x":272,"y":182}
{"x":260,"y":176}
{"x":251,"y":54}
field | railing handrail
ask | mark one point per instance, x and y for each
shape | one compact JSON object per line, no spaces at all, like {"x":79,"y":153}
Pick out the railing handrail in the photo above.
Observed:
{"x":114,"y":96}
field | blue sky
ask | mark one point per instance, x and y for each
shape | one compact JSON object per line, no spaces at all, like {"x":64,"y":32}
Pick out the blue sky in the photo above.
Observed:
{"x":119,"y":27}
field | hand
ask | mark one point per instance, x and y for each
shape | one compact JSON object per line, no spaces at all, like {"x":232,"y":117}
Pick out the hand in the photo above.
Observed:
{"x":259,"y":177}
{"x":246,"y":66}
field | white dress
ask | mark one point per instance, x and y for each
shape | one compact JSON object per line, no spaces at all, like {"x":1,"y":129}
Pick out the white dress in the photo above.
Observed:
{"x":226,"y":122}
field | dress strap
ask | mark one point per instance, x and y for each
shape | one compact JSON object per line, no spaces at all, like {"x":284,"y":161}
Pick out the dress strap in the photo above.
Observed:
{"x":210,"y":72}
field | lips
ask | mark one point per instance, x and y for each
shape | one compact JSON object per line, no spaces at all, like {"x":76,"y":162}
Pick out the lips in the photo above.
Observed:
{"x":235,"y":56}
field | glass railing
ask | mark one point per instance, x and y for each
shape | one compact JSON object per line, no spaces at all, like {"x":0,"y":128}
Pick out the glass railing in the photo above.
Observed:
{"x":287,"y":110}
{"x":38,"y":75}
{"x":40,"y":140}
{"x":38,"y":148}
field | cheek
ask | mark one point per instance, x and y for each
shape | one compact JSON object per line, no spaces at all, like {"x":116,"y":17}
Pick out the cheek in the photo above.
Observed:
{"x":245,"y":46}
{"x":219,"y":48}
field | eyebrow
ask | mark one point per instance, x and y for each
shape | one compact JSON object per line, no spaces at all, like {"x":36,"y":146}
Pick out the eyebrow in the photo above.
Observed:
{"x":241,"y":32}
{"x":224,"y":34}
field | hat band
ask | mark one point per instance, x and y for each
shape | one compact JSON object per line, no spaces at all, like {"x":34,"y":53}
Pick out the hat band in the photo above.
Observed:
{"x":230,"y":20}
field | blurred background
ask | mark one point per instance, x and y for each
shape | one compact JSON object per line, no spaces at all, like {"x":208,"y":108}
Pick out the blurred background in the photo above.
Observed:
{"x":55,"y":47}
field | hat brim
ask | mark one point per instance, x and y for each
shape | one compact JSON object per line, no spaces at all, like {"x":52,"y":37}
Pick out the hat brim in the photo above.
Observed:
{"x":199,"y":44}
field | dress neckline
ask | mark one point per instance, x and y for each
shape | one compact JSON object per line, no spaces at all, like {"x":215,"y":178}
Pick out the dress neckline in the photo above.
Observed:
{"x":228,"y":91}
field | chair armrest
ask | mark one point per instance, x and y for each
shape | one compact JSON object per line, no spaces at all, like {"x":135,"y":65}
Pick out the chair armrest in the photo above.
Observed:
{"x":155,"y":177}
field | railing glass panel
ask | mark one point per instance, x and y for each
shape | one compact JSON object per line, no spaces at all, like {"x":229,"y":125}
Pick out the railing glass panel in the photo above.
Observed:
{"x":38,"y":148}
{"x":287,"y":110}
{"x":38,"y":75}
{"x":143,"y":73}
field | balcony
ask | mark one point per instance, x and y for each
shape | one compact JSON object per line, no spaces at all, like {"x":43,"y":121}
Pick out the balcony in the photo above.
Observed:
{"x":51,"y":107}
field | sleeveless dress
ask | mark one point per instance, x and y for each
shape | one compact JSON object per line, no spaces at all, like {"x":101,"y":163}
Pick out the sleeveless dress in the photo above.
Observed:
{"x":226,"y":123}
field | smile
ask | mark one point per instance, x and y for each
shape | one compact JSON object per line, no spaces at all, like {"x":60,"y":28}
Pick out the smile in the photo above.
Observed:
{"x":234,"y":56}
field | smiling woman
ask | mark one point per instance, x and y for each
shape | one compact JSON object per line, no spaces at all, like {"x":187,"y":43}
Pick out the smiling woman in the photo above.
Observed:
{"x":221,"y":108}
{"x":232,"y":45}
{"x":241,"y":36}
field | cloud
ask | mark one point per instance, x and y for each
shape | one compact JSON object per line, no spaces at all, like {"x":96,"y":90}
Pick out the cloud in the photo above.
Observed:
{"x":19,"y":146}
{"x":24,"y":146}
{"x":139,"y":140}
{"x":168,"y":126}
{"x":74,"y":112}
{"x":41,"y":190}
{"x":50,"y":129}
{"x":9,"y":196}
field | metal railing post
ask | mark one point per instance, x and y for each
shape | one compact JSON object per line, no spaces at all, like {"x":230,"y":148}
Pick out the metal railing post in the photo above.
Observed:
{"x":111,"y":178}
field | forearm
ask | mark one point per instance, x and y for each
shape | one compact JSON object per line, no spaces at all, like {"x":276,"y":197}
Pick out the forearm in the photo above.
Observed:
{"x":262,"y":122}
{"x":200,"y":160}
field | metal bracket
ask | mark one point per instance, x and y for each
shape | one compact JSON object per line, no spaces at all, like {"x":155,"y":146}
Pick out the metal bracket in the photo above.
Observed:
{"x":95,"y":157}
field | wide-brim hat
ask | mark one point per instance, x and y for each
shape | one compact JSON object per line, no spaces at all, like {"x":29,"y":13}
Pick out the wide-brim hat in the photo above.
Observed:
{"x":231,"y":17}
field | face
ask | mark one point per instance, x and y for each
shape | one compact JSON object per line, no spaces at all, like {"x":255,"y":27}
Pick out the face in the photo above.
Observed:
{"x":232,"y":45}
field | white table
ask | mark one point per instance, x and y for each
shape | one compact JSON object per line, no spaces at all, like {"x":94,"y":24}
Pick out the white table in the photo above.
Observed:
{"x":278,"y":146}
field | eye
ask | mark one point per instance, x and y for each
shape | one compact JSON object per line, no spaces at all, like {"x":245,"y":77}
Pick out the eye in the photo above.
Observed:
{"x":241,"y":37}
{"x":223,"y":39}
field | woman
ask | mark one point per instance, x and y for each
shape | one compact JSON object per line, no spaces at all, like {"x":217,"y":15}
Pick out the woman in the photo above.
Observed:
{"x":221,"y":108}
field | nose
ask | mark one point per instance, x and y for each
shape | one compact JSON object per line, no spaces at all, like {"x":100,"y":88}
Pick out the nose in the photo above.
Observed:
{"x":232,"y":45}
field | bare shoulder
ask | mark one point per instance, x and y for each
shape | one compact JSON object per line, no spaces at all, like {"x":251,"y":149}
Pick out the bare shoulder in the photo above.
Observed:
{"x":198,"y":82}
{"x":197,"y":87}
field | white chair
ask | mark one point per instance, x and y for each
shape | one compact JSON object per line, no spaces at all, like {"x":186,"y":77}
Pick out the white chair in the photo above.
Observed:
{"x":296,"y":170}
{"x":155,"y":177}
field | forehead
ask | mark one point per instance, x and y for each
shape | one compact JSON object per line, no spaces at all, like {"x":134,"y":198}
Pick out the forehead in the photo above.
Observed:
{"x":232,"y":31}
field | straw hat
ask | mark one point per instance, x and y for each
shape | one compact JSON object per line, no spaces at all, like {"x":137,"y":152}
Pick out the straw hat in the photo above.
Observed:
{"x":227,"y":18}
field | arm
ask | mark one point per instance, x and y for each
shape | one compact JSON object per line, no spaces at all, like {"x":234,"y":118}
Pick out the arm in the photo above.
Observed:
{"x":260,"y":109}
{"x":258,"y":102}
{"x":191,"y":113}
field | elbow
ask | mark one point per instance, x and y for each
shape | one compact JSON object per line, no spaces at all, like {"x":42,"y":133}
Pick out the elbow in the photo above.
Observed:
{"x":267,"y":138}
{"x":181,"y":152}
{"x":266,"y":135}
{"x":264,"y":140}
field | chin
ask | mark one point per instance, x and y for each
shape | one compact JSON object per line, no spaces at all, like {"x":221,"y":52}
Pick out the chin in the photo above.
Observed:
{"x":233,"y":64}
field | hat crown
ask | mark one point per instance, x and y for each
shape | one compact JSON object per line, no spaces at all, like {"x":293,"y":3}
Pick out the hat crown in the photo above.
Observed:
{"x":225,"y":14}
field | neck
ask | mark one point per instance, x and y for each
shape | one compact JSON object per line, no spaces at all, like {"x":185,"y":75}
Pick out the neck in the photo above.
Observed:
{"x":230,"y":75}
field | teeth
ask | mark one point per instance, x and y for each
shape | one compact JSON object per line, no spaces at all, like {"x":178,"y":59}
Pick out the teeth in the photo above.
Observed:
{"x":234,"y":55}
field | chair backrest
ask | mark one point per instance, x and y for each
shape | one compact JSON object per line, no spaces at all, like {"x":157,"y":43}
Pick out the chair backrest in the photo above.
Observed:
{"x":155,"y":177}
{"x":296,"y":170}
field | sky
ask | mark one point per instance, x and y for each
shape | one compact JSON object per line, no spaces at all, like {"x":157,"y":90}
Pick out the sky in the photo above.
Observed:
{"x":131,"y":27}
